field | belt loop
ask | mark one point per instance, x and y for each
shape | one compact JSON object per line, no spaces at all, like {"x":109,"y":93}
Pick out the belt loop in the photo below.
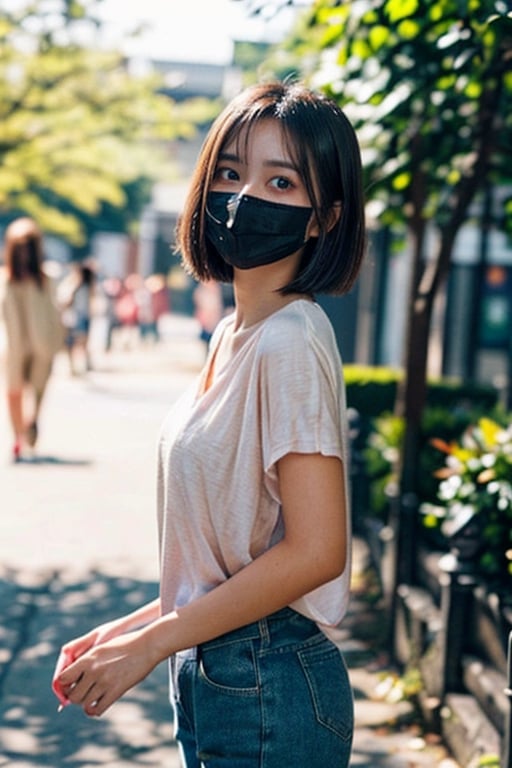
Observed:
{"x":264,"y":630}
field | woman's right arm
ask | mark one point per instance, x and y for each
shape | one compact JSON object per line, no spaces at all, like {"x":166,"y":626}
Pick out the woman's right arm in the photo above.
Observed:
{"x":139,"y":618}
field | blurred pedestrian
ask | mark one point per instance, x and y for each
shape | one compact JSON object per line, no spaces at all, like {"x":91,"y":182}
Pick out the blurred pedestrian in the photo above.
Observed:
{"x":253,"y":508}
{"x":127,"y":311}
{"x":34,"y":330}
{"x":145,"y":311}
{"x":157,"y":286}
{"x":112,"y":288}
{"x":208,"y":308}
{"x":76,"y":298}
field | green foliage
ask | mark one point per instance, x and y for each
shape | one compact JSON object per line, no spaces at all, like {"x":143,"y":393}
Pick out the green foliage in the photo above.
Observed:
{"x":427,"y":86}
{"x":489,"y":761}
{"x":371,"y":390}
{"x":405,"y":687}
{"x":452,"y":407}
{"x":383,"y":446}
{"x":475,"y":485}
{"x":381,"y":453}
{"x":76,"y":127}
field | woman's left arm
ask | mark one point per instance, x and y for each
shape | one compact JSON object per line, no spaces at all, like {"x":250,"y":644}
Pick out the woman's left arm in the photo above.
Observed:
{"x":312,"y":551}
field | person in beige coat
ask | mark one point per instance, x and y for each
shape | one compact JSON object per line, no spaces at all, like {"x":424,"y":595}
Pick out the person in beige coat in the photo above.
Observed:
{"x":33,"y":328}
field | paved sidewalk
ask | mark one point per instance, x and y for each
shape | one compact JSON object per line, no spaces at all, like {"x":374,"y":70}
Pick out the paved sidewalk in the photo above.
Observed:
{"x":78,"y":546}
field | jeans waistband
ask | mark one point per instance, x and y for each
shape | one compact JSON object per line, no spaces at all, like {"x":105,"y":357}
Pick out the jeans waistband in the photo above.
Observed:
{"x":286,"y":621}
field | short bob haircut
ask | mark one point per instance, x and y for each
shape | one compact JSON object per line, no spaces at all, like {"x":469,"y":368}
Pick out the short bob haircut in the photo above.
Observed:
{"x":23,"y":251}
{"x":324,"y":147}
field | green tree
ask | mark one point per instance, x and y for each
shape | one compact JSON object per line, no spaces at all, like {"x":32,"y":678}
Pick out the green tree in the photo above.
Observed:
{"x":428,"y":86}
{"x":77,"y":128}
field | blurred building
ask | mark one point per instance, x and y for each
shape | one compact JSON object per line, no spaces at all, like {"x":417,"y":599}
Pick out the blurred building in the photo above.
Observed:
{"x":471,"y":333}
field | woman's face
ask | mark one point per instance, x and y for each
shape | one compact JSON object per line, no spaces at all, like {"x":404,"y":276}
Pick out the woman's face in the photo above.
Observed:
{"x":260,"y":166}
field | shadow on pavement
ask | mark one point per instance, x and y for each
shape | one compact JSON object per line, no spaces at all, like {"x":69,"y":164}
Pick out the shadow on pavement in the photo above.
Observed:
{"x":42,"y":611}
{"x":137,"y":730}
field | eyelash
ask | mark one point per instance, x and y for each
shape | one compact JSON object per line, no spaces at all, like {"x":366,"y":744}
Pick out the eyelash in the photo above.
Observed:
{"x":289,"y":184}
{"x":222,"y":173}
{"x":229,"y":174}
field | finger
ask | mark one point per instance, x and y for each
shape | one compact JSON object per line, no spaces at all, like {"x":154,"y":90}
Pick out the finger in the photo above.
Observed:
{"x":94,"y":708}
{"x":71,"y":674}
{"x":80,"y":691}
{"x":99,"y":706}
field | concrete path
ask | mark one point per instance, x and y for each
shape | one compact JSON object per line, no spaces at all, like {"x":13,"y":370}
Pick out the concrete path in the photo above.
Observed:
{"x":78,"y":546}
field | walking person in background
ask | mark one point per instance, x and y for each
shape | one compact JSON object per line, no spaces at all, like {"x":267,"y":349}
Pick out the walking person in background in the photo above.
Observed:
{"x":34,"y":329}
{"x":127,"y":312}
{"x":253,"y":509}
{"x":76,"y":299}
{"x":111,"y":289}
{"x":208,"y":308}
{"x":157,"y":286}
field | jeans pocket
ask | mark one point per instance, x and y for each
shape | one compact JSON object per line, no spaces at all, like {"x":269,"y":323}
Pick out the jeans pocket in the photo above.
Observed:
{"x":330,"y":689}
{"x":230,"y":668}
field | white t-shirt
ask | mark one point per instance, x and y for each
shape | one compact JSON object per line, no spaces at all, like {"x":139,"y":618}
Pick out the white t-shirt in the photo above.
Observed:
{"x":281,"y":391}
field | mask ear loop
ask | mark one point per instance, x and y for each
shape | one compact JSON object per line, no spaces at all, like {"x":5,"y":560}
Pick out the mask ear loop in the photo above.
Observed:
{"x":232,"y":208}
{"x":210,"y":214}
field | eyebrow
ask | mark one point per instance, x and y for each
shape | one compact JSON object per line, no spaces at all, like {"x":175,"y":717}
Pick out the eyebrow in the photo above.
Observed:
{"x":277,"y":163}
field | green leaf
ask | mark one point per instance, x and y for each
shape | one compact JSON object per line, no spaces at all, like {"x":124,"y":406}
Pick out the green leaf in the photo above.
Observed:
{"x":360,"y":49}
{"x":378,"y":36}
{"x":473,"y":90}
{"x":401,"y":182}
{"x":408,"y":29}
{"x":400,"y":9}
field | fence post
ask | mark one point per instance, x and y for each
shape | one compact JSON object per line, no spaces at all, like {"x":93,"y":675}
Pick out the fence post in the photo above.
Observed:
{"x":403,"y":524}
{"x":507,"y":747}
{"x":457,"y":590}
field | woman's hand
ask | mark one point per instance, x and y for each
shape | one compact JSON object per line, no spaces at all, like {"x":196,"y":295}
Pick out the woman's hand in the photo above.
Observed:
{"x":103,"y":672}
{"x":72,"y":651}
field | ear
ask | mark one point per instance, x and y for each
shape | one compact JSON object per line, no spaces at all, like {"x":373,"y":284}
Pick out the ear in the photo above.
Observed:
{"x":333,"y":216}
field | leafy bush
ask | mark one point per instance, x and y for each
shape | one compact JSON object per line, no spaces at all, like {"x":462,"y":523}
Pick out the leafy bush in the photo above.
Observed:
{"x":383,"y":446}
{"x":475,"y":488}
{"x":378,"y":433}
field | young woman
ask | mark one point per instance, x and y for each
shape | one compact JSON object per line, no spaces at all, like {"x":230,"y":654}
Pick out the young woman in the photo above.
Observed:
{"x":33,"y":327}
{"x":253,"y":511}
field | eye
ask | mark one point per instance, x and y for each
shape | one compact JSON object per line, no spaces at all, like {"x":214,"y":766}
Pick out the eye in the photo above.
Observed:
{"x":225,"y":173}
{"x":281,"y":182}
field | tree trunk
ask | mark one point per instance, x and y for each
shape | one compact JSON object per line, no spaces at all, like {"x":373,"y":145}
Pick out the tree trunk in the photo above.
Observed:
{"x":425,"y":284}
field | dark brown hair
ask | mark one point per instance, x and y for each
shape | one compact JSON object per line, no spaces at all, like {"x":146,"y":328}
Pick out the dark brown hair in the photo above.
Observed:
{"x":23,"y":251}
{"x":323,"y":144}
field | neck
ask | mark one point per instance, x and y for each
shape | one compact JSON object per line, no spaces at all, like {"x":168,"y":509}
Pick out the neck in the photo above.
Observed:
{"x":257,"y":292}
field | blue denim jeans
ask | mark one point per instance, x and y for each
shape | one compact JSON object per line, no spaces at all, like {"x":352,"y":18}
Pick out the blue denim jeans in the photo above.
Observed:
{"x":273,"y":694}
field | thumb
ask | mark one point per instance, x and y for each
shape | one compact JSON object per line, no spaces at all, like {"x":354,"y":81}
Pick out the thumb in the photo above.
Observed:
{"x":69,"y":653}
{"x":64,"y":660}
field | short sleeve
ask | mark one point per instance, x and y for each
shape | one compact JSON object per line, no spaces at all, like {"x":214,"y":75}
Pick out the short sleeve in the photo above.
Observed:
{"x":300,"y":387}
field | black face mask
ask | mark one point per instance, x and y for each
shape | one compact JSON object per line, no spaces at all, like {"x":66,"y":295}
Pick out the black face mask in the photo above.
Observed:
{"x":249,"y":232}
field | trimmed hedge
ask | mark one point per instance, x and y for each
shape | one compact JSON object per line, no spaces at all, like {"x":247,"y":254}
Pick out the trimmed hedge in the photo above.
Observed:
{"x":371,"y":391}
